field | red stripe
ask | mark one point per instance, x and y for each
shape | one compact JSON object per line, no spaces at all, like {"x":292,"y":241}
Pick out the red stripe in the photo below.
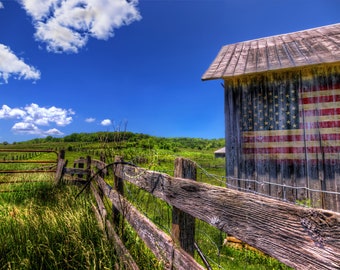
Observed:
{"x":320,"y":99}
{"x":292,"y":150}
{"x":317,"y":125}
{"x":291,"y":138}
{"x":332,"y":162}
{"x":322,"y":137}
{"x":259,"y":142}
{"x":322,"y":112}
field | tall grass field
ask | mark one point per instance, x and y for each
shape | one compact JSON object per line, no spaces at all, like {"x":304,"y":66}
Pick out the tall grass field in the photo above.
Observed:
{"x":47,"y":226}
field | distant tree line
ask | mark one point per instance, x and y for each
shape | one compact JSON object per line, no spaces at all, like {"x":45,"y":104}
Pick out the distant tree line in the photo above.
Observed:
{"x":126,"y":138}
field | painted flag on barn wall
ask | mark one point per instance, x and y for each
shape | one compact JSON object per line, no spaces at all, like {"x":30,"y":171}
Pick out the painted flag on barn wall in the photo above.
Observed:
{"x":288,"y":123}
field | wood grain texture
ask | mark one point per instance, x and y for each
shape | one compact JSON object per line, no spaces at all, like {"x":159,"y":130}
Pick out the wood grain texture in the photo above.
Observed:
{"x":183,"y":225}
{"x":159,"y":242}
{"x":300,"y":237}
{"x":303,"y":48}
{"x":123,"y":255}
{"x":61,"y":164}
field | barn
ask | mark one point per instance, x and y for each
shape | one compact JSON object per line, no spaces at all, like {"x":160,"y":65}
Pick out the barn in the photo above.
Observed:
{"x":282,"y":115}
{"x":220,"y":153}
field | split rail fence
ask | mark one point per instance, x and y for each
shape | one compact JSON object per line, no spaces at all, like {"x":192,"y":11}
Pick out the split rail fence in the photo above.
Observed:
{"x":303,"y":238}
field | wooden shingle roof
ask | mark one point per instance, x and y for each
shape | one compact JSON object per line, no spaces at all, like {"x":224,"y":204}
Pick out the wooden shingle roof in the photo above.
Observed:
{"x":303,"y":48}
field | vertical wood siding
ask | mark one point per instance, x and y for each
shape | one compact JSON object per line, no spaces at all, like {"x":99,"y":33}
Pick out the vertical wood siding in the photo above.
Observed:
{"x":284,"y":128}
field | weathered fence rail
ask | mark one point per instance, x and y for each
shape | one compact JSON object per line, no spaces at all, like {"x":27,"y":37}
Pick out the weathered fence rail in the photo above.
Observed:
{"x":303,"y":238}
{"x":17,"y":160}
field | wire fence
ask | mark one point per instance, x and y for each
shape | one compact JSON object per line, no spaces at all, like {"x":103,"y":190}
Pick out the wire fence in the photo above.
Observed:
{"x":284,"y":186}
{"x":216,"y":249}
{"x":211,"y":242}
{"x":208,"y":239}
{"x":247,"y":185}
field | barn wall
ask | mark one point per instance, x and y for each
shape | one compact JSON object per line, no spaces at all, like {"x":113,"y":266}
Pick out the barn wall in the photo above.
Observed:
{"x":283,"y":128}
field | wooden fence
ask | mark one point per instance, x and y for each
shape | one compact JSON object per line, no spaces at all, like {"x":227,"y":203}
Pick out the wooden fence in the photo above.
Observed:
{"x":17,"y":159}
{"x":303,"y":238}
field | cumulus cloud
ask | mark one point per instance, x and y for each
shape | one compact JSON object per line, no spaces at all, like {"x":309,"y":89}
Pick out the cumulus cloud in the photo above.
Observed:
{"x":66,"y":25}
{"x":90,"y":120}
{"x":26,"y":128}
{"x":7,"y":112}
{"x":39,"y":9}
{"x":1,"y":5}
{"x":11,"y":65}
{"x":44,"y":116}
{"x":32,"y":116}
{"x":31,"y":129}
{"x":106,"y":122}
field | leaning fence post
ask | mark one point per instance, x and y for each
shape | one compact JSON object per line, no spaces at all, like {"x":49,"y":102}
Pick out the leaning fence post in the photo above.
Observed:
{"x":60,"y":166}
{"x":102,"y":159}
{"x":183,"y":224}
{"x":88,"y":169}
{"x":119,"y":187}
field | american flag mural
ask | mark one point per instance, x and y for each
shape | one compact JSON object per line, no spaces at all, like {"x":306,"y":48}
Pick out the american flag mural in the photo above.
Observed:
{"x":288,"y":123}
{"x":285,"y":130}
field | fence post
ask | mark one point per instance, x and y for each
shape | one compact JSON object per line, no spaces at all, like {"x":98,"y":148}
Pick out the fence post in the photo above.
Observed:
{"x":119,"y":187}
{"x":80,"y":166}
{"x":103,"y":159}
{"x":183,"y":224}
{"x":60,"y":166}
{"x":88,"y":169}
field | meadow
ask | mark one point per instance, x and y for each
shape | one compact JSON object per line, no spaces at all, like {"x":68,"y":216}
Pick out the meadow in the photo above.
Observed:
{"x":44,"y":226}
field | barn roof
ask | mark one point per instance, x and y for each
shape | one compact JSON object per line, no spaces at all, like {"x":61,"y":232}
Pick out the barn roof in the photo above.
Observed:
{"x":220,"y":151}
{"x":297,"y":49}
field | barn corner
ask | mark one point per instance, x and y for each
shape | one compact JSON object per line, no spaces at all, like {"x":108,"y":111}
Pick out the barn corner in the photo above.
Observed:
{"x":282,"y":115}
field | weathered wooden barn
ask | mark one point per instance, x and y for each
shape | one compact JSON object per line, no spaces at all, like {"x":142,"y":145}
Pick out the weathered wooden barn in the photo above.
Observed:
{"x":282,"y":115}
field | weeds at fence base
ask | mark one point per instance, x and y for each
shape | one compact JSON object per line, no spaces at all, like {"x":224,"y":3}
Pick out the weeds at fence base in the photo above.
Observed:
{"x":48,"y":229}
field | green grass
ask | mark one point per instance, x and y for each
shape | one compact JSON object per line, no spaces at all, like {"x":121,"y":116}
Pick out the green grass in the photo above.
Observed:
{"x":43,"y":226}
{"x":46,"y":228}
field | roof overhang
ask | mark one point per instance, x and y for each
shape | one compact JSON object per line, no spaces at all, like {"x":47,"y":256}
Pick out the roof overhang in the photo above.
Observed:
{"x":300,"y":49}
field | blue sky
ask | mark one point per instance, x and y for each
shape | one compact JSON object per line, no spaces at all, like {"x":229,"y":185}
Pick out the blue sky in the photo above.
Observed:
{"x":102,"y":65}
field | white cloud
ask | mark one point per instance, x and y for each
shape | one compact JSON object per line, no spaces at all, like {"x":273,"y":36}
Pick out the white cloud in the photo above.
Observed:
{"x":106,"y":122}
{"x":90,"y":120}
{"x":59,"y":38}
{"x":44,"y":116}
{"x":32,"y":116}
{"x":1,"y":5}
{"x":26,"y":128}
{"x":66,"y":25}
{"x":11,"y":65}
{"x":31,"y":129}
{"x":7,"y":112}
{"x":38,"y":9}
